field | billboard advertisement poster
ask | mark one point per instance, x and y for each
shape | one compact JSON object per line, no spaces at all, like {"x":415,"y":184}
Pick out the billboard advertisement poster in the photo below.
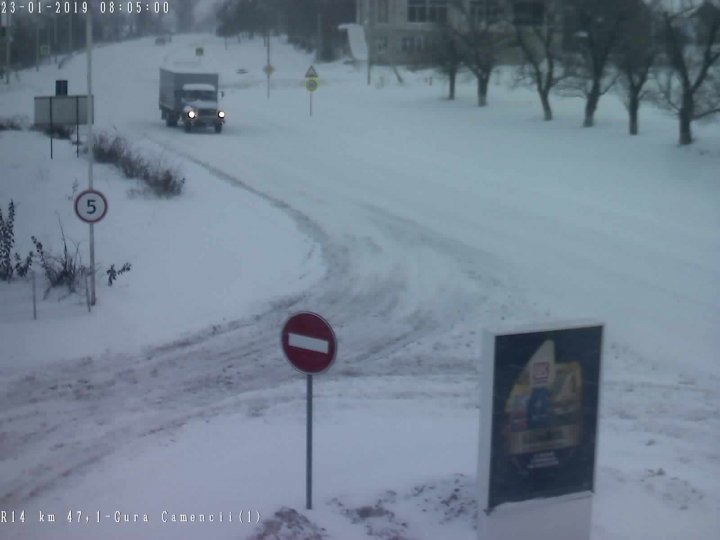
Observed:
{"x":544,"y":414}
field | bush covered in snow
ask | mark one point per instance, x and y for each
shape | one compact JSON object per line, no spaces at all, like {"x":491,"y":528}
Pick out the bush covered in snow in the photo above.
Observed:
{"x":15,"y":123}
{"x":160,"y":179}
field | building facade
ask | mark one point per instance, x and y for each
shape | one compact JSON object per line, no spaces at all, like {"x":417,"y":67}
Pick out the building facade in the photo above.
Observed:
{"x":410,"y":31}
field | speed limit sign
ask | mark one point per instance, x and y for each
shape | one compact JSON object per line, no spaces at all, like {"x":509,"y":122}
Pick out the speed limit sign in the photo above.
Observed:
{"x":91,"y":206}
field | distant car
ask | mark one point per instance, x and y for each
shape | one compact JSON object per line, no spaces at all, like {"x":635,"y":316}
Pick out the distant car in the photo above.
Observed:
{"x":161,"y":40}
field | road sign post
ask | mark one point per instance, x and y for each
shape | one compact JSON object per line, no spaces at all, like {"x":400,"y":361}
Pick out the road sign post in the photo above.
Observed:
{"x":91,"y":206}
{"x":309,"y":344}
{"x":312,"y":83}
{"x":268,"y":70}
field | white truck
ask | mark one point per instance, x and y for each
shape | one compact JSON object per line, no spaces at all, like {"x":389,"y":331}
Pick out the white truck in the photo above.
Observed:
{"x":191,"y":98}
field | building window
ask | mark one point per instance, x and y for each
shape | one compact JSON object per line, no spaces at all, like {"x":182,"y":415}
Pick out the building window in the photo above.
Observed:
{"x":382,"y":45}
{"x":407,"y":44}
{"x":382,"y":11}
{"x":427,"y":11}
{"x":417,"y":11}
{"x":528,"y":13}
{"x":437,"y":11}
{"x":485,"y":11}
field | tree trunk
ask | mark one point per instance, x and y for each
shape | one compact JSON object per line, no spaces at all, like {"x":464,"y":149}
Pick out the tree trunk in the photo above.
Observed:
{"x":452,"y":74}
{"x":685,"y":128}
{"x":547,"y":110}
{"x":685,"y":116}
{"x":633,"y":108}
{"x":482,"y":89}
{"x":591,"y":104}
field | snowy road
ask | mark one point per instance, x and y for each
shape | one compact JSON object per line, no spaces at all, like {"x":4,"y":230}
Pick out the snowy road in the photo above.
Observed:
{"x":435,"y":220}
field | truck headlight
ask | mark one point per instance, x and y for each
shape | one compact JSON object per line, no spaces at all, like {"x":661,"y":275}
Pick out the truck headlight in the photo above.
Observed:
{"x":191,"y":114}
{"x":221,"y":114}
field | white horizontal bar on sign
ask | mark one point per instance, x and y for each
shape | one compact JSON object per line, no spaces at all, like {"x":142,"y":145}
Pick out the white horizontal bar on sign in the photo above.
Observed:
{"x":309,"y":343}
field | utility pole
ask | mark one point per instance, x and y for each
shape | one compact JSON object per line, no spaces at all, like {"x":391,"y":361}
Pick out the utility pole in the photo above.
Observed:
{"x":37,"y":46}
{"x":8,"y":43}
{"x":90,"y":144}
{"x":267,"y":65}
{"x":369,"y":38}
{"x":55,"y":43}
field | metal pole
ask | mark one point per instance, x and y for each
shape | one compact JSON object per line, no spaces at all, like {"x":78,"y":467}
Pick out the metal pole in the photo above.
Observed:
{"x":368,"y":37}
{"x":268,"y":62}
{"x":52,"y":127}
{"x":90,"y":144}
{"x":34,"y":296}
{"x":8,"y":41}
{"x":311,"y":94}
{"x":87,"y":293}
{"x":55,"y":45}
{"x":308,"y":451}
{"x":77,"y":126}
{"x":37,"y":47}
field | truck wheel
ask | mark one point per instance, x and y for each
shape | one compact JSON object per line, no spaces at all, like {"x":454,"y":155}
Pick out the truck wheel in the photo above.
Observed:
{"x":218,"y":127}
{"x":188,"y":127}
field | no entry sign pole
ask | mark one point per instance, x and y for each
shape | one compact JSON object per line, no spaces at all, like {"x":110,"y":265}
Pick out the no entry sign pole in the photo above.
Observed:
{"x":309,"y":344}
{"x":308,"y":446}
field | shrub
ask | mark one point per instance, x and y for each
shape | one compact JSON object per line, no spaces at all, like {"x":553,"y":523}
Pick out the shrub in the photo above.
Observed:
{"x":113,"y":274}
{"x":7,"y":241}
{"x":66,"y":270}
{"x":15,"y":123}
{"x":161,"y":180}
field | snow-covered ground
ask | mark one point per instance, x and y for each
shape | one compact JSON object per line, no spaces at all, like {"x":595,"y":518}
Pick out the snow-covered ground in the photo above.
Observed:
{"x":410,"y":223}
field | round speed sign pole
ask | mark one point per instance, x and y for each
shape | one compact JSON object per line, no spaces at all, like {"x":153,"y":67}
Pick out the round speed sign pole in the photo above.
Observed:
{"x":309,"y":344}
{"x":91,"y":206}
{"x":311,"y":85}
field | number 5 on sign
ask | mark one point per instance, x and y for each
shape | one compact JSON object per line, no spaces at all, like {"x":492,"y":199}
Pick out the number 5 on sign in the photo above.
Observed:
{"x":91,"y":206}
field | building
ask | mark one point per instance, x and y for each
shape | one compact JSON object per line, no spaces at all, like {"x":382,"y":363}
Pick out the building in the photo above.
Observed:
{"x":410,"y":31}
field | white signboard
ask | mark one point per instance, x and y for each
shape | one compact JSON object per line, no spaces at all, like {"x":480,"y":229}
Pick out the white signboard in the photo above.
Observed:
{"x":61,"y":110}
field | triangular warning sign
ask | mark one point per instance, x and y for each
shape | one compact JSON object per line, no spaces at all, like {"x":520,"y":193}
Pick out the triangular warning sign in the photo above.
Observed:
{"x":311,"y":73}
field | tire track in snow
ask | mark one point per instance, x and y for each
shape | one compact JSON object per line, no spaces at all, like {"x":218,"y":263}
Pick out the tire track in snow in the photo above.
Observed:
{"x":63,"y":420}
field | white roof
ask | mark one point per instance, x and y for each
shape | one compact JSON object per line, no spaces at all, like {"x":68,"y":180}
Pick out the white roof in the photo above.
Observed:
{"x":199,"y":86}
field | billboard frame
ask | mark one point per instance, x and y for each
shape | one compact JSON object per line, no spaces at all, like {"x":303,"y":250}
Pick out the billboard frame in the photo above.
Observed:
{"x":529,"y":512}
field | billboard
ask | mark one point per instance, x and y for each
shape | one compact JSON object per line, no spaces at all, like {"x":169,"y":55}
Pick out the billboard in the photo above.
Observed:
{"x":61,"y":110}
{"x":543,"y":424}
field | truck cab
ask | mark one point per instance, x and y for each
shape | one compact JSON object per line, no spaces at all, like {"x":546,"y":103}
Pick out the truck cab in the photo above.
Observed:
{"x":200,"y":106}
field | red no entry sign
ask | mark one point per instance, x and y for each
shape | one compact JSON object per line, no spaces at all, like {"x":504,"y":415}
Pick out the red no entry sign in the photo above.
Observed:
{"x":308,"y":342}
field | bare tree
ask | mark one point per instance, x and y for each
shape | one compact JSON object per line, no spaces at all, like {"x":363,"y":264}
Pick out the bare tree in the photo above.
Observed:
{"x":448,"y":60}
{"x":539,"y":42}
{"x":480,"y":40}
{"x":692,"y":45}
{"x":597,"y":24}
{"x":635,"y":56}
